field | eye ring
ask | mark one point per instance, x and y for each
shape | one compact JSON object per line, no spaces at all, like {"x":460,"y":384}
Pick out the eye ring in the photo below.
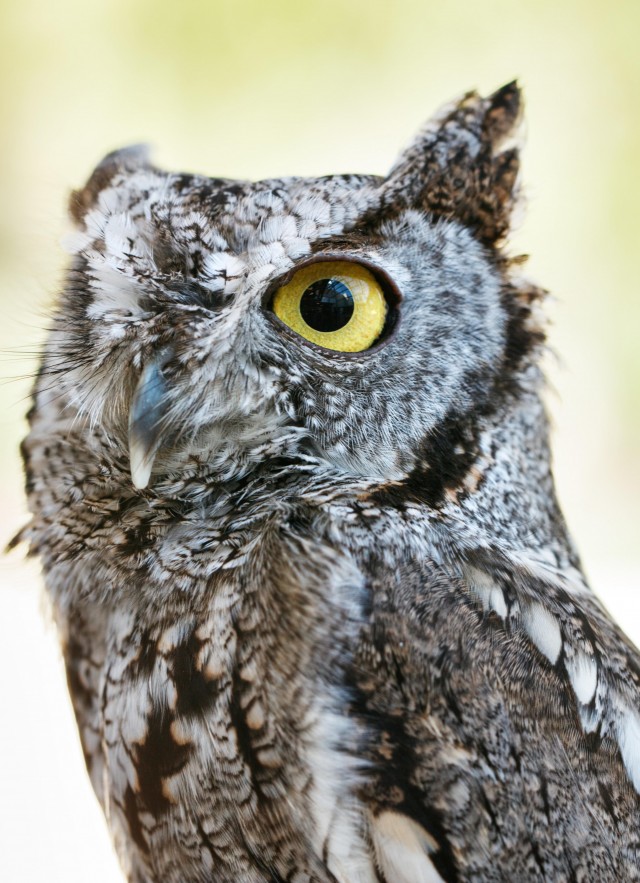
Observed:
{"x":291,"y":321}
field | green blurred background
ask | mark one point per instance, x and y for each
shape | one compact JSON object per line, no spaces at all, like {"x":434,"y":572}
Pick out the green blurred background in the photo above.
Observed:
{"x":254,"y":89}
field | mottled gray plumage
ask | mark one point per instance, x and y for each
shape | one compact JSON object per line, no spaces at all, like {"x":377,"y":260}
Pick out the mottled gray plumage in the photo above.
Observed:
{"x":321,"y":617}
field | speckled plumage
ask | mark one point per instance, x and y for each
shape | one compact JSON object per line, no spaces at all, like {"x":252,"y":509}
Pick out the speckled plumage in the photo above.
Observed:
{"x":334,"y":629}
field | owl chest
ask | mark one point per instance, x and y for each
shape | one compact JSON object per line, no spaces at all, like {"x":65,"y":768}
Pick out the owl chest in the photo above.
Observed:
{"x":186,"y":736}
{"x":216,"y":750}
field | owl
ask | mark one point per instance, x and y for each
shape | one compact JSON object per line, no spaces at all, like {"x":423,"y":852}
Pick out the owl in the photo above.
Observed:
{"x":290,"y":484}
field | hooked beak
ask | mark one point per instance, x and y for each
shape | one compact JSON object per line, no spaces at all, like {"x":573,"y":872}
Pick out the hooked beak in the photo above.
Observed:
{"x":146,"y":420}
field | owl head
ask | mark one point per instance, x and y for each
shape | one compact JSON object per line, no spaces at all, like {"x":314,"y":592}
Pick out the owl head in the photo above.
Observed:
{"x":370,"y":325}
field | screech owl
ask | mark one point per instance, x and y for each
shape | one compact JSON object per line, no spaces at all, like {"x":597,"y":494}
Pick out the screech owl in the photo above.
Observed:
{"x":290,"y":481}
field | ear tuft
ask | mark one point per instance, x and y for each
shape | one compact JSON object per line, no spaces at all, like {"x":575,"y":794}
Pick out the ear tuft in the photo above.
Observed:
{"x":454,"y":168}
{"x":503,"y":114}
{"x":127,"y":159}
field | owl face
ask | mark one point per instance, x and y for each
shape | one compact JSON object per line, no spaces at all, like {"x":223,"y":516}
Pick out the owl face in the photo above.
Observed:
{"x":212,"y":326}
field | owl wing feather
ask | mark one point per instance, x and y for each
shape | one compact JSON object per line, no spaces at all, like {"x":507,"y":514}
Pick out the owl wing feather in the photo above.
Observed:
{"x":503,"y":707}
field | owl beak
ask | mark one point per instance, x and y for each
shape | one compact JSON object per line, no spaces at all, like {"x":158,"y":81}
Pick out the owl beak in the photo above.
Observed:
{"x":146,"y":421}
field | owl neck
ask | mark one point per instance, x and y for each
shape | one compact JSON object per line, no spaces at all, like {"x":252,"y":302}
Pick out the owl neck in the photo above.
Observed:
{"x":483,"y":481}
{"x":507,"y":497}
{"x":486,"y":483}
{"x":479,"y":481}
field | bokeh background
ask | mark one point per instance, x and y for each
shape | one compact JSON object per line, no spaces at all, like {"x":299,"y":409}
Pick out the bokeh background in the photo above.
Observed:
{"x":247,"y":88}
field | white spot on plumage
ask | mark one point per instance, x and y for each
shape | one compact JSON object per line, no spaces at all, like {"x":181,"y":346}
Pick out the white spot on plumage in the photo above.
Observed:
{"x":628,"y":732}
{"x":583,"y":674}
{"x":487,"y":591}
{"x":402,"y":849}
{"x":497,"y":602}
{"x":543,"y":629}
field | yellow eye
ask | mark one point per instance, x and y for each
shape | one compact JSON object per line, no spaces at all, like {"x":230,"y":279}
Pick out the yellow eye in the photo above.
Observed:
{"x":336,"y":304}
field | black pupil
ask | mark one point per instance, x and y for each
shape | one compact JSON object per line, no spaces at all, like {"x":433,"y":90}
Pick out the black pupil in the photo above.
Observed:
{"x":327,"y":305}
